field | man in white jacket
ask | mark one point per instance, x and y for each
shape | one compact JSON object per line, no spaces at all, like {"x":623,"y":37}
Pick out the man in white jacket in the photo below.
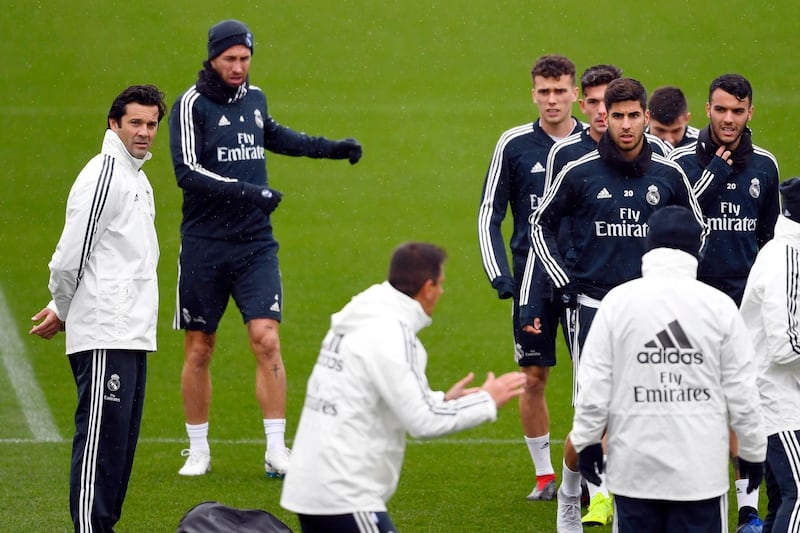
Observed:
{"x":667,"y":366}
{"x":771,"y":312}
{"x":105,"y":296}
{"x":367,"y":390}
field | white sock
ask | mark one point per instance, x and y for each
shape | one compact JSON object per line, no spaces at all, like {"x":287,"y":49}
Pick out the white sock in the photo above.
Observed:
{"x":594,"y":489}
{"x":570,"y":481}
{"x":742,"y":498}
{"x":198,"y":437}
{"x":539,"y":448}
{"x":275,"y":429}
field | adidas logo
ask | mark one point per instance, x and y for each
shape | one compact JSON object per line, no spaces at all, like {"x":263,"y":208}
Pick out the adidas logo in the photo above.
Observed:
{"x":537,"y":168}
{"x":604,"y":194}
{"x":671,"y":345}
{"x":667,"y":340}
{"x":275,"y":307}
{"x":223,"y":121}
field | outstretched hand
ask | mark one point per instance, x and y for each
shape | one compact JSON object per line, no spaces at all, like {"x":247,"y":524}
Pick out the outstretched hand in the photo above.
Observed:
{"x":460,"y":389}
{"x":349,"y":149}
{"x":505,"y":387}
{"x":49,"y":326}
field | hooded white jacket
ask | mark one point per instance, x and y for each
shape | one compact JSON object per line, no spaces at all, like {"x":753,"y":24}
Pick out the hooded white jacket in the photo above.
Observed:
{"x":367,"y":390}
{"x":668,"y":364}
{"x":771,"y":311}
{"x":103,"y":272}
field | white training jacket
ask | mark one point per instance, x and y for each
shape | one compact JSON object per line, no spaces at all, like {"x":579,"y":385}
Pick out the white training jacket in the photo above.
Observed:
{"x":771,"y":310}
{"x":366,"y":391}
{"x":667,"y":365}
{"x":103,"y":272}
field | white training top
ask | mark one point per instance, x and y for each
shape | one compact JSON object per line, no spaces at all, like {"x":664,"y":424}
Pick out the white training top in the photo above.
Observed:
{"x":667,"y":366}
{"x":103,"y":272}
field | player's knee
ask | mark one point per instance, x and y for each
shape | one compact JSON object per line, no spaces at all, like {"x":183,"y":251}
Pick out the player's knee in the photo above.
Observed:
{"x":535,"y":379}
{"x":198,"y":351}
{"x":266,"y":345}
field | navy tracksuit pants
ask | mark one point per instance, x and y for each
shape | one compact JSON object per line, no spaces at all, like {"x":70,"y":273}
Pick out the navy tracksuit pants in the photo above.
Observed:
{"x":111,"y":386}
{"x":783,"y":482}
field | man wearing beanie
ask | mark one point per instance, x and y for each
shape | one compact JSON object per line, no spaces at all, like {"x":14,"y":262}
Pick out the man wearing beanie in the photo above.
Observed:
{"x":771,"y":312}
{"x":220,"y":131}
{"x":736,"y":183}
{"x":666,"y":367}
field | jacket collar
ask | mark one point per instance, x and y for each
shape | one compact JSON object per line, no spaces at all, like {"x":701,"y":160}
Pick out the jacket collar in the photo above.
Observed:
{"x":112,"y":145}
{"x":611,"y":154}
{"x":706,"y":149}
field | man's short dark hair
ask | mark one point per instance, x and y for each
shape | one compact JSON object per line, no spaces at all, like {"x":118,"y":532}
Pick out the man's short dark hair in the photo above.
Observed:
{"x":553,"y":66}
{"x":414,"y":263}
{"x":667,"y":104}
{"x":139,"y":94}
{"x":599,"y":75}
{"x":734,"y":84}
{"x":623,"y":90}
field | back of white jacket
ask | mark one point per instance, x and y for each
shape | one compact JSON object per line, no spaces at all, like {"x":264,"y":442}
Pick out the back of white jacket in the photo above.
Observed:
{"x":367,"y":390}
{"x":103,"y":272}
{"x":667,"y":365}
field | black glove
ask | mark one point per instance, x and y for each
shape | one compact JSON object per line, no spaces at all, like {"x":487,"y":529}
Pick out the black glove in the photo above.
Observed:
{"x":504,"y":286}
{"x":590,"y":463}
{"x":566,"y":295}
{"x":346,"y":149}
{"x":753,"y":472}
{"x":264,"y":198}
{"x":720,"y":168}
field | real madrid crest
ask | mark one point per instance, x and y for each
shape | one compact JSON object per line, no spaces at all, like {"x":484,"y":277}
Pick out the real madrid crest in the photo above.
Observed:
{"x":653,"y":197}
{"x":259,"y":118}
{"x":113,"y":383}
{"x":755,"y":188}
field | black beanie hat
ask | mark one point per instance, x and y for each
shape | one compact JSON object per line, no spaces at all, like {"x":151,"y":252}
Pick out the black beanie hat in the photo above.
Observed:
{"x":227,"y":33}
{"x":790,"y":199}
{"x":676,"y":227}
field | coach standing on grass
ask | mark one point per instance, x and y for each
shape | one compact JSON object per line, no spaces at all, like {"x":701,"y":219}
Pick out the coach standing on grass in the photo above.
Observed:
{"x":220,"y":130}
{"x":105,"y":296}
{"x":666,"y":367}
{"x":367,"y":390}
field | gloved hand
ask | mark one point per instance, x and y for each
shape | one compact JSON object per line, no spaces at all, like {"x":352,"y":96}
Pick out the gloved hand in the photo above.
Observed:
{"x":504,"y":286}
{"x":590,"y":463}
{"x":346,"y":149}
{"x":526,"y":315}
{"x":721,"y":167}
{"x":566,"y":295}
{"x":264,"y":198}
{"x":754,"y":472}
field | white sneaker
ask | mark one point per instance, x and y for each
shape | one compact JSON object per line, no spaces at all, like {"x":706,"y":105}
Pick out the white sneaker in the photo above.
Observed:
{"x":568,"y":518}
{"x":277,"y":462}
{"x":197,"y":463}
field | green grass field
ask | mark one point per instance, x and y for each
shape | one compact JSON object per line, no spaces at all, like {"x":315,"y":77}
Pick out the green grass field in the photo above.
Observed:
{"x":427,"y":87}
